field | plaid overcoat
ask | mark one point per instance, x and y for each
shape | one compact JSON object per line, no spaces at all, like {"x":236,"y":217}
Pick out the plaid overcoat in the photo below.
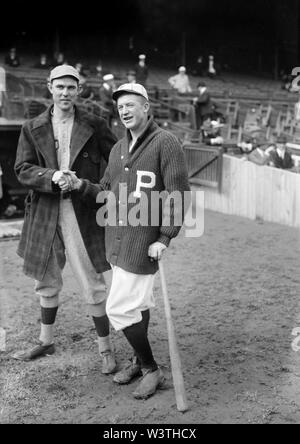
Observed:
{"x":36,"y":162}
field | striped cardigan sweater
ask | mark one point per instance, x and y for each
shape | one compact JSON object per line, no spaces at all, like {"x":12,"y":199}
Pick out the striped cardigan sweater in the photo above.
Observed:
{"x":157,"y":160}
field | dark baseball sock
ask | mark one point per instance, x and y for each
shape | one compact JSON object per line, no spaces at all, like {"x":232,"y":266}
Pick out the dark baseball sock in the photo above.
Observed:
{"x":136,"y":335}
{"x":146,"y":319}
{"x":102,"y":326}
{"x":48,"y":315}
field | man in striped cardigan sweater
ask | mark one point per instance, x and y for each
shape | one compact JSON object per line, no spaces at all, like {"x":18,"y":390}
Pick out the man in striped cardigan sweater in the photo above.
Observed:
{"x":147,"y":160}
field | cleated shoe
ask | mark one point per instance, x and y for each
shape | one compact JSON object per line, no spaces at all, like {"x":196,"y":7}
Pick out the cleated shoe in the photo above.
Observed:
{"x":36,"y":352}
{"x":150,"y":382}
{"x":130,"y":371}
{"x":109,"y":364}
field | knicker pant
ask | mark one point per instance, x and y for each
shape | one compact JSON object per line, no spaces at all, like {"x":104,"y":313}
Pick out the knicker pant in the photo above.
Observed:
{"x":68,"y":244}
{"x":129,"y":296}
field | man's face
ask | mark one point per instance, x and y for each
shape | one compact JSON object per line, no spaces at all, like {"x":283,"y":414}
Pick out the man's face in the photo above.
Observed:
{"x":64,"y":92}
{"x":133,"y":111}
{"x":281,"y":146}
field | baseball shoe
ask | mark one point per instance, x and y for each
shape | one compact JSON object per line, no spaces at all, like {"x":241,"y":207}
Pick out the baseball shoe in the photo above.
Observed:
{"x":109,"y":364}
{"x":36,"y":352}
{"x":150,"y":382}
{"x":130,"y":371}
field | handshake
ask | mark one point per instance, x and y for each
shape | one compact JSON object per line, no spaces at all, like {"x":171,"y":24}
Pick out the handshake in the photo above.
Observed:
{"x":66,"y":180}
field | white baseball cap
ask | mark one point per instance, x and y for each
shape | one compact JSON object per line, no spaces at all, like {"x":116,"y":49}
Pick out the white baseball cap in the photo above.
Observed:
{"x":64,"y":71}
{"x":131,"y":88}
{"x":142,"y":56}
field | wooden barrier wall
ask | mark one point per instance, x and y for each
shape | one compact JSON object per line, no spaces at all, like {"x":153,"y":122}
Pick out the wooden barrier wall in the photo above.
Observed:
{"x":254,"y":191}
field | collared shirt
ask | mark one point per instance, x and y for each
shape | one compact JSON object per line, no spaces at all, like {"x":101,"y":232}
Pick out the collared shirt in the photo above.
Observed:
{"x":281,"y":153}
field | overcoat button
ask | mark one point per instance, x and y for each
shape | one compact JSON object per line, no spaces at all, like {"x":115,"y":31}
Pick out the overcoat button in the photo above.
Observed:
{"x":85,"y":154}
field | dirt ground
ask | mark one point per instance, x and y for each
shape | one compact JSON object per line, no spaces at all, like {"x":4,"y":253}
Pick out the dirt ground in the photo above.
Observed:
{"x":235,"y":302}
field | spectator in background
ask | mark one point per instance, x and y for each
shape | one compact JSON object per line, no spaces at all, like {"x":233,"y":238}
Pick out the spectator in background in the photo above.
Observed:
{"x":43,"y":62}
{"x":99,"y":71}
{"x":215,"y":114}
{"x":211,"y":133}
{"x":180,"y":82}
{"x":199,"y":66}
{"x":256,"y":148}
{"x":211,"y":67}
{"x":86,"y":90}
{"x":141,"y":70}
{"x":131,"y":77}
{"x":286,"y":80}
{"x":106,"y":95}
{"x":59,"y":59}
{"x":297,"y":110}
{"x":79,"y":68}
{"x":2,"y":88}
{"x":202,"y":104}
{"x":12,"y":58}
{"x":280,"y":157}
{"x":248,"y":143}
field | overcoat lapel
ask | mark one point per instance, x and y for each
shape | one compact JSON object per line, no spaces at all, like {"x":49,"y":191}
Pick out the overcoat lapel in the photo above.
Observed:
{"x":81,"y":133}
{"x":42,"y":133}
{"x":151,"y":130}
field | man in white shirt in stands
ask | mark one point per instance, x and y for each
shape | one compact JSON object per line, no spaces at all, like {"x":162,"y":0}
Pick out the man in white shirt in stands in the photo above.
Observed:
{"x":180,"y":81}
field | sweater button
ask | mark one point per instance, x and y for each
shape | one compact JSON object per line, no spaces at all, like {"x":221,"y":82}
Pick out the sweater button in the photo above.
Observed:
{"x":126,"y":169}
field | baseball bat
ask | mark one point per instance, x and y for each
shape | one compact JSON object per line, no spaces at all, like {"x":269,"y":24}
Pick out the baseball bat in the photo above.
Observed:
{"x":180,"y":394}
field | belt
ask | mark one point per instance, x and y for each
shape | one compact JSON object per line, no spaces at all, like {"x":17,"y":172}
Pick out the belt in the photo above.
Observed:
{"x":66,"y":195}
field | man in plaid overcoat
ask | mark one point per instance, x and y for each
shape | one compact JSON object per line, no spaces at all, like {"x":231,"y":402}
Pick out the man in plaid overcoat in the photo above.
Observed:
{"x":58,"y":224}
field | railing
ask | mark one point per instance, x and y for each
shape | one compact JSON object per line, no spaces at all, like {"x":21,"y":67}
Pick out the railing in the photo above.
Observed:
{"x":256,"y":192}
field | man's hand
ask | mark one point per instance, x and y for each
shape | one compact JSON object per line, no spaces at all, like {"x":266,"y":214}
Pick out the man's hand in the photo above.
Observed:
{"x":66,"y":180}
{"x":156,"y":250}
{"x":74,"y":182}
{"x":62,"y":180}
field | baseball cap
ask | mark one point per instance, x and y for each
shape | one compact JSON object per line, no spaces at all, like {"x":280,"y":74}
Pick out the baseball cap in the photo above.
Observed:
{"x":108,"y":77}
{"x":142,"y":56}
{"x":64,"y":71}
{"x":131,"y":88}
